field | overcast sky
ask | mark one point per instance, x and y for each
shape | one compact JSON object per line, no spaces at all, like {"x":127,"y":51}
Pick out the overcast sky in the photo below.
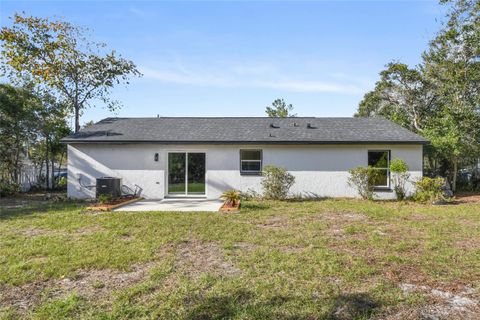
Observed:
{"x":235,"y":58}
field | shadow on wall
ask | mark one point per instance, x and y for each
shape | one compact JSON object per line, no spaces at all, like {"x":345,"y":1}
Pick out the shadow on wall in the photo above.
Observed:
{"x":220,"y":186}
{"x":87,"y":170}
{"x":307,"y":195}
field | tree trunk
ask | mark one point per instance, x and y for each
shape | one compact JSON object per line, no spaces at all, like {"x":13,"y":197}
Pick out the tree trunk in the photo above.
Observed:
{"x":454,"y":178}
{"x":77,"y":117}
{"x":47,"y":169}
{"x":53,"y":171}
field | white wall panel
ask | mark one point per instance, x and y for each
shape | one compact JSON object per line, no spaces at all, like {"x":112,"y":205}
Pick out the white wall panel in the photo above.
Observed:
{"x":319,"y":170}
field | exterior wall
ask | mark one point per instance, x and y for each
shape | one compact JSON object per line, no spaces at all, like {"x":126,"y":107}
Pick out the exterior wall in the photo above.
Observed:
{"x":320,"y":171}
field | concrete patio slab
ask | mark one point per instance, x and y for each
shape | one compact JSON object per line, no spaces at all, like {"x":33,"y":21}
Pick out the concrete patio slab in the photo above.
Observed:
{"x":173,"y":205}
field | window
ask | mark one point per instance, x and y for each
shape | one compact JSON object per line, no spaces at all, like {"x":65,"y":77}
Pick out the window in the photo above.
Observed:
{"x":380,"y":160}
{"x":250,"y":161}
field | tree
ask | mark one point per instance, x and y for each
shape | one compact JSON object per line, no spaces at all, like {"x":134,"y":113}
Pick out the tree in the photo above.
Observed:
{"x":88,"y":124}
{"x":17,"y":129}
{"x":31,"y":127}
{"x":452,"y":62}
{"x":56,"y":57}
{"x":402,"y":95}
{"x":279,"y":109}
{"x":440,"y":98}
{"x":52,"y":127}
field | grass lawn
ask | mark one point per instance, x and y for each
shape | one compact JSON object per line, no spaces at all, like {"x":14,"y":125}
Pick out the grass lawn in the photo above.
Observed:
{"x":331,"y":259}
{"x":193,"y":187}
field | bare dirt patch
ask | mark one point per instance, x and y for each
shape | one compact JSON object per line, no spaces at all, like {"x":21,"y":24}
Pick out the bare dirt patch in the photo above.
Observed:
{"x":343,"y":217}
{"x":463,"y":304}
{"x":468,"y":198}
{"x":90,"y":230}
{"x":95,"y":285}
{"x":276,"y":222}
{"x":245,"y":246}
{"x":34,"y":232}
{"x":331,"y":218}
{"x":194,"y":258}
{"x":467,"y":244}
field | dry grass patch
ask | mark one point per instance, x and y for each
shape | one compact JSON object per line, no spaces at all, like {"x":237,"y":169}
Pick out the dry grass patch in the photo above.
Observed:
{"x":331,"y":259}
{"x":194,"y":258}
{"x":94,"y":285}
{"x":461,"y":304}
{"x":276,"y":222}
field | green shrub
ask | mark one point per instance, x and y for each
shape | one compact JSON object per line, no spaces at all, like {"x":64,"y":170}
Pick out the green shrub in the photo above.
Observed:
{"x":250,"y":194}
{"x":363,"y":180}
{"x":104,"y":198}
{"x":400,"y":176}
{"x":62,"y":182}
{"x":276,"y":182}
{"x":429,"y":189}
{"x":8,"y":188}
{"x":231,"y":197}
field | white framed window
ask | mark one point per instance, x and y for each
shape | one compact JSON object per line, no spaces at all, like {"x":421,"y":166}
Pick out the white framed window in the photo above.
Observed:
{"x":380,"y":160}
{"x":250,"y":161}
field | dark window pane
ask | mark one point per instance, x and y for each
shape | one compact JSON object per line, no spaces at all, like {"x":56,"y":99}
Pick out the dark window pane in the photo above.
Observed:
{"x":176,"y":173}
{"x":381,"y":179}
{"x":378,"y":159}
{"x":251,"y":155}
{"x":196,"y":173}
{"x":251,"y":166}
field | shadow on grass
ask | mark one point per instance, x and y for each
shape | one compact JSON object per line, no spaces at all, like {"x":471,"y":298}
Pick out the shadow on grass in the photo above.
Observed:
{"x":352,"y":306}
{"x":255,"y":205}
{"x":343,"y":307}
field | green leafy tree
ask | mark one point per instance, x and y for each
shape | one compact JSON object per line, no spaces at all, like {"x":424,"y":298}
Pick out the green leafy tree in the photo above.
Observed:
{"x":452,"y":63}
{"x":402,"y":95}
{"x":88,"y":124}
{"x":52,"y":127}
{"x":57,"y":58}
{"x":31,"y":127}
{"x":279,"y":109}
{"x":440,"y":98}
{"x":17,"y":129}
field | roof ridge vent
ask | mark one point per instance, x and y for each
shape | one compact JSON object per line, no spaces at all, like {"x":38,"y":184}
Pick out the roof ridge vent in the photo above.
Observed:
{"x":274,"y":126}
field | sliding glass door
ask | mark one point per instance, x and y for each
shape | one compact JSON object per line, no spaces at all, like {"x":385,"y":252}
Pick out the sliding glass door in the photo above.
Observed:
{"x":186,"y":173}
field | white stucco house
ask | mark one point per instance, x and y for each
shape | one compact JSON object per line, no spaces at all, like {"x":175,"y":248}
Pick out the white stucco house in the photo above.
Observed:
{"x":202,"y":157}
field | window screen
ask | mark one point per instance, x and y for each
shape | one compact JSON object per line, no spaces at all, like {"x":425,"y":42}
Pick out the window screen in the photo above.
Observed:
{"x":251,"y":161}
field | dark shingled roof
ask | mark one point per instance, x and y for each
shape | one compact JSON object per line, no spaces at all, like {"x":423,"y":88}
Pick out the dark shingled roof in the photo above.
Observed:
{"x":298,"y":130}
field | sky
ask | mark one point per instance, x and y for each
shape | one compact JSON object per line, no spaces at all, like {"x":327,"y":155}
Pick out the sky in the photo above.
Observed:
{"x":222,"y":58}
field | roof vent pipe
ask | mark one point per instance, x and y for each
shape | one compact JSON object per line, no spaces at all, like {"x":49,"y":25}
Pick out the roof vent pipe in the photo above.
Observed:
{"x":275,"y":126}
{"x":310,"y":126}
